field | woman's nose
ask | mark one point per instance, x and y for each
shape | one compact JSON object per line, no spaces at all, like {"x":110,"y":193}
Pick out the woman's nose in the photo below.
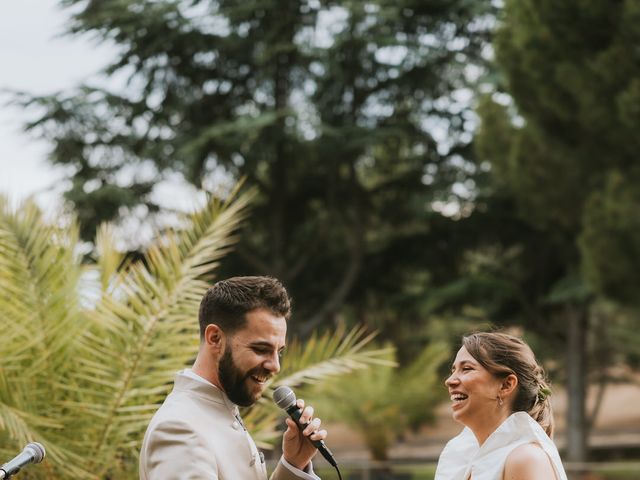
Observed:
{"x":451,"y":380}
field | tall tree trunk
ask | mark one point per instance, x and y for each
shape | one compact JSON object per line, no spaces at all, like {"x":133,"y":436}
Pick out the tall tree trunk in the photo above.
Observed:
{"x":576,"y":384}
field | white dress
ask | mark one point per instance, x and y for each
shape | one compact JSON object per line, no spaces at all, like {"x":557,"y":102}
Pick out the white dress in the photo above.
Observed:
{"x":462,"y":457}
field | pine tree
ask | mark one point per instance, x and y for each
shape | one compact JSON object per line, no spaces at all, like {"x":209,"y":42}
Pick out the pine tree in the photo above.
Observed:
{"x":567,"y":161}
{"x":351,"y":118}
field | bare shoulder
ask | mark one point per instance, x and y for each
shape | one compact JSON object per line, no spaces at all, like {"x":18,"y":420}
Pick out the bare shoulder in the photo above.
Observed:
{"x":528,"y":462}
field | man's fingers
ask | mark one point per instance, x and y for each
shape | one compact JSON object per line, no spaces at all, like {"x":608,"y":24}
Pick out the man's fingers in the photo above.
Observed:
{"x":307,"y":415}
{"x":319,"y":435}
{"x":312,"y":427}
{"x":292,"y":429}
{"x":311,"y":430}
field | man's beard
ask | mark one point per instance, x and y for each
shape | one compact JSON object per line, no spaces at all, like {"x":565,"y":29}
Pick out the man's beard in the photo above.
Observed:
{"x":235,"y":382}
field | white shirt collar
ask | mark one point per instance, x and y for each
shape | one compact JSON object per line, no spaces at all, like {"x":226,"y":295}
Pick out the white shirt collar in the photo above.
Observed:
{"x":191,"y":374}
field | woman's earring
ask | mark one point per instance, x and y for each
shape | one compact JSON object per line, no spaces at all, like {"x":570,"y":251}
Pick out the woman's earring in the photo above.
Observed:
{"x":500,"y":402}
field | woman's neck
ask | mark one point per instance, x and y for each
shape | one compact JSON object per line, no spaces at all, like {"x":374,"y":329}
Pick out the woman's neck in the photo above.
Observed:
{"x":486,"y":426}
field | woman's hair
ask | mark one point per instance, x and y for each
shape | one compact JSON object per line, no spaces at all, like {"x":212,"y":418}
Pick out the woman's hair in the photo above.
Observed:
{"x":502,"y":355}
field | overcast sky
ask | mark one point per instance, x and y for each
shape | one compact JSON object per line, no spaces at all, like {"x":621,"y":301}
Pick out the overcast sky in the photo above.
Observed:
{"x":34,"y":58}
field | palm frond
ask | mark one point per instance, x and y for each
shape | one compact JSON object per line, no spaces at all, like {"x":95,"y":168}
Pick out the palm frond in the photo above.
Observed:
{"x":39,"y":274}
{"x":109,"y":257}
{"x":262,"y":421}
{"x":148,"y":311}
{"x":23,"y":426}
{"x":323,"y":356}
{"x":42,"y":320}
{"x":381,"y":403}
{"x":100,"y":363}
{"x":332,"y":353}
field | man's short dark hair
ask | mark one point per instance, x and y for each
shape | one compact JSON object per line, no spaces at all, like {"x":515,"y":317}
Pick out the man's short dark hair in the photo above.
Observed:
{"x":227,"y":302}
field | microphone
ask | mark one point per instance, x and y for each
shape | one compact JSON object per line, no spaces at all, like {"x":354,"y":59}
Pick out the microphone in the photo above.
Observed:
{"x":285,"y":399}
{"x":32,"y":453}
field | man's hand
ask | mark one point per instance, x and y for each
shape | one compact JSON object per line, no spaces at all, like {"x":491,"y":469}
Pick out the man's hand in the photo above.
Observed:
{"x":296,"y":448}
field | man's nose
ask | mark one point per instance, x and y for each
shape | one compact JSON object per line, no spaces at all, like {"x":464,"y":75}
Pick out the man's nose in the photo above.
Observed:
{"x":273,"y":364}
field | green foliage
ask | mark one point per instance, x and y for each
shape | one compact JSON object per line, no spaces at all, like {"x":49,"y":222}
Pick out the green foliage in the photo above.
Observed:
{"x":564,"y":157}
{"x":305,"y":365}
{"x":381,"y":403}
{"x":610,"y":240}
{"x":350,"y":118}
{"x":568,"y":71}
{"x":41,"y":322}
{"x":568,"y":159}
{"x":84,"y":377}
{"x":90,"y":350}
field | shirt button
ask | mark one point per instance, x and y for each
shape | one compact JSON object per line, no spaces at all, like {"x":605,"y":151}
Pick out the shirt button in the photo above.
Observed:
{"x":235,"y":425}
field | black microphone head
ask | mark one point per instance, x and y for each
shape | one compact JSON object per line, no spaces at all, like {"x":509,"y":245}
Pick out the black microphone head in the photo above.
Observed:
{"x":37,"y":450}
{"x":284,"y":397}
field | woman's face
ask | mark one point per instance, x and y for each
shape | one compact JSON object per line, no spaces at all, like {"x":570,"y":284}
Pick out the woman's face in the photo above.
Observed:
{"x":473,"y":391}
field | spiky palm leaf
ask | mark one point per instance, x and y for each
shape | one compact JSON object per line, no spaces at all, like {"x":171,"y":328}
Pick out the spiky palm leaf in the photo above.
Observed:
{"x":90,"y":351}
{"x":322,"y":356}
{"x":331,"y":353}
{"x":109,"y":258}
{"x":41,"y":322}
{"x":381,"y":403}
{"x":144,"y":328}
{"x":100,"y":371}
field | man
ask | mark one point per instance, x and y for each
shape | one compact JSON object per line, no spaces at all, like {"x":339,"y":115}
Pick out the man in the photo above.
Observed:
{"x":197,"y":434}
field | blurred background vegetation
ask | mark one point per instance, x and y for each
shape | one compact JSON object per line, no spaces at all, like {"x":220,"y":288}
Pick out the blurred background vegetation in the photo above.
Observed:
{"x":419,"y":168}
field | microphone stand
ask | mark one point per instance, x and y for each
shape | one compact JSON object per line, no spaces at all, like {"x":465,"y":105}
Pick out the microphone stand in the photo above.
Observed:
{"x":4,"y":474}
{"x":34,"y":452}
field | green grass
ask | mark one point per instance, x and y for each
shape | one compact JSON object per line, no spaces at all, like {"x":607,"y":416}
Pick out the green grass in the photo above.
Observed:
{"x":418,"y":472}
{"x":608,"y":471}
{"x":617,"y":471}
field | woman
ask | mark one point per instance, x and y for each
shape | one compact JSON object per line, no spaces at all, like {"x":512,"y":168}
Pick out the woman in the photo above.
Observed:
{"x":499,"y":393}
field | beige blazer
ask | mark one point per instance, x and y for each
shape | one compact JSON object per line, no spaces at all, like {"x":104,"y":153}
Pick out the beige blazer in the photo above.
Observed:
{"x":197,"y":434}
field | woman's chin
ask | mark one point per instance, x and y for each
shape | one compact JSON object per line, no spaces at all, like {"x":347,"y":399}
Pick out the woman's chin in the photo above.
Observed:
{"x":459,"y":415}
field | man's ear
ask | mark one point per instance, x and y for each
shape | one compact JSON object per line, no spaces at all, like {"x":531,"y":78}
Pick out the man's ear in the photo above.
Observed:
{"x":214,"y":337}
{"x":509,"y":385}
